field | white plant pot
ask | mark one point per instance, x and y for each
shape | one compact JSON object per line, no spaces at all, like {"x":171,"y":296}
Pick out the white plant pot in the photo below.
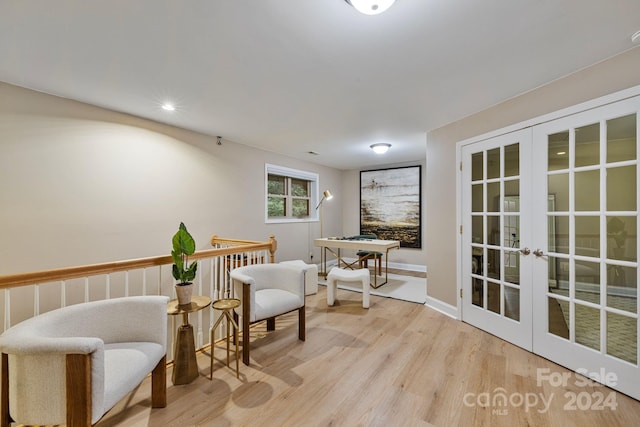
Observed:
{"x":184,"y":293}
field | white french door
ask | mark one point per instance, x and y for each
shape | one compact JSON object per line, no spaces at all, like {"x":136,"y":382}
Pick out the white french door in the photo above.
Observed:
{"x":496,"y":227}
{"x":586,"y":280}
{"x":549,"y":247}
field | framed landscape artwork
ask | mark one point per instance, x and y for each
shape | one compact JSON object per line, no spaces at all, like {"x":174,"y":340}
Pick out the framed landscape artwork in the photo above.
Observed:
{"x":390,"y":204}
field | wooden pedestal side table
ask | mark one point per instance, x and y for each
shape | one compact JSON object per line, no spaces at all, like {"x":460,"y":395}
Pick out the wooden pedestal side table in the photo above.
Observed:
{"x":226,"y":305}
{"x":185,"y":365}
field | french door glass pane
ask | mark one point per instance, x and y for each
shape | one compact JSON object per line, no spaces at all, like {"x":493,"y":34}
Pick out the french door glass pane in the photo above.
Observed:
{"x":561,"y":234}
{"x":559,"y":275}
{"x":558,"y":317}
{"x":493,"y":197}
{"x":493,"y":230}
{"x":511,"y":231}
{"x":512,"y":303}
{"x":621,"y":189}
{"x":477,"y":296}
{"x":512,"y":160}
{"x":493,"y":163}
{"x":621,"y":139}
{"x":587,"y":326}
{"x":558,"y":151}
{"x":512,"y":267}
{"x":477,"y":229}
{"x":477,"y":166}
{"x":588,"y":236}
{"x":622,"y":237}
{"x":587,"y":195}
{"x":622,"y":337}
{"x":512,"y":195}
{"x":477,"y":193}
{"x":587,"y":281}
{"x":493,"y":297}
{"x":477,"y":261}
{"x":622,"y":288}
{"x":559,"y":187}
{"x":493,"y":267}
{"x":587,"y":145}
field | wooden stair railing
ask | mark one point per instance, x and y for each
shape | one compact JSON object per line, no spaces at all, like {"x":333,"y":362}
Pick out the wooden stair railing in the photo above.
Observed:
{"x":212,"y":279}
{"x":234,"y":246}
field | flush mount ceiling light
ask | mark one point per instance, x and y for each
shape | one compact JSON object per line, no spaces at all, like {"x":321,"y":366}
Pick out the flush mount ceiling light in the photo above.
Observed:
{"x":371,"y":7}
{"x":380,"y":148}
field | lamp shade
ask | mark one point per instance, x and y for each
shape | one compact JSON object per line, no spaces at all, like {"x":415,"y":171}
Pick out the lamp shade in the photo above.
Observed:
{"x":326,"y":195}
{"x":371,"y":7}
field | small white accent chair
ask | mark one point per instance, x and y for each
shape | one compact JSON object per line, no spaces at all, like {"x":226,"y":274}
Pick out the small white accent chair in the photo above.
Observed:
{"x":310,"y":275}
{"x":348,"y":276}
{"x":268,"y":290}
{"x":73,"y":364}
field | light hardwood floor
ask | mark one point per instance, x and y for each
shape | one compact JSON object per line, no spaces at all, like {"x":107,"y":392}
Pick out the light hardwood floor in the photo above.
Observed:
{"x":395,"y":364}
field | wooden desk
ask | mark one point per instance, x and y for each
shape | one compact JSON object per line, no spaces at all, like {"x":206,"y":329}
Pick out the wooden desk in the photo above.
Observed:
{"x":371,"y":245}
{"x":185,"y":366}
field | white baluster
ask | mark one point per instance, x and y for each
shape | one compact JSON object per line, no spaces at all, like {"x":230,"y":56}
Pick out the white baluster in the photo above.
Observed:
{"x":7,"y":309}
{"x":144,"y":281}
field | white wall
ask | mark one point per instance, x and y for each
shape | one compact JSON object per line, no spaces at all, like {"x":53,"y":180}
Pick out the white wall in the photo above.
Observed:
{"x":80,"y":184}
{"x":615,"y":74}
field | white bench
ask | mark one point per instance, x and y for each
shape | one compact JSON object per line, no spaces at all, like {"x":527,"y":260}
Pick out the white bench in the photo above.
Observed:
{"x":342,"y":275}
{"x":73,"y":364}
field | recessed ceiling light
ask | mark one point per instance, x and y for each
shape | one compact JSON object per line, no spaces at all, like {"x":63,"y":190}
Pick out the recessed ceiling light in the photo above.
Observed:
{"x":635,"y":38}
{"x":167,"y":106}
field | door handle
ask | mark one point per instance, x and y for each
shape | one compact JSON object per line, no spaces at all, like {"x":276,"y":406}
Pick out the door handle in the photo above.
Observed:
{"x":538,"y":252}
{"x":525,"y":251}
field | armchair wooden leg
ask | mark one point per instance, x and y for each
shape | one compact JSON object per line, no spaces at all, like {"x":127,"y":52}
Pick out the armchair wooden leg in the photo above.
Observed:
{"x":271,"y":324}
{"x":236,"y":318}
{"x":245,"y":341}
{"x":301,"y":324}
{"x":245,"y":323}
{"x":159,"y":384}
{"x":5,"y":418}
{"x":78,"y":380}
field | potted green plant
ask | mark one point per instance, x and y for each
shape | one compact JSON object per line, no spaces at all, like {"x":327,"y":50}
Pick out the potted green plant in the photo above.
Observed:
{"x":183,"y":246}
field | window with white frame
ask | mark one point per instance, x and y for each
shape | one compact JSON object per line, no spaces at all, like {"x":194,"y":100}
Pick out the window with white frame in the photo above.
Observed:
{"x":290,"y":195}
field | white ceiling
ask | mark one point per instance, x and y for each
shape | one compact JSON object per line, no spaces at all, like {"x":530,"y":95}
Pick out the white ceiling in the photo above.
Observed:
{"x":293,"y":76}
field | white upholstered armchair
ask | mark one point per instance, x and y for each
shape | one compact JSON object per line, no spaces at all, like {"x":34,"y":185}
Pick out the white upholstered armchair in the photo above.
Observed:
{"x":269,"y":290}
{"x":73,"y":364}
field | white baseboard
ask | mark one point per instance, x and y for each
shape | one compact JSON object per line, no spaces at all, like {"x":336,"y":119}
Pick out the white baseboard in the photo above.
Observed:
{"x":408,"y":267}
{"x":442,"y":307}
